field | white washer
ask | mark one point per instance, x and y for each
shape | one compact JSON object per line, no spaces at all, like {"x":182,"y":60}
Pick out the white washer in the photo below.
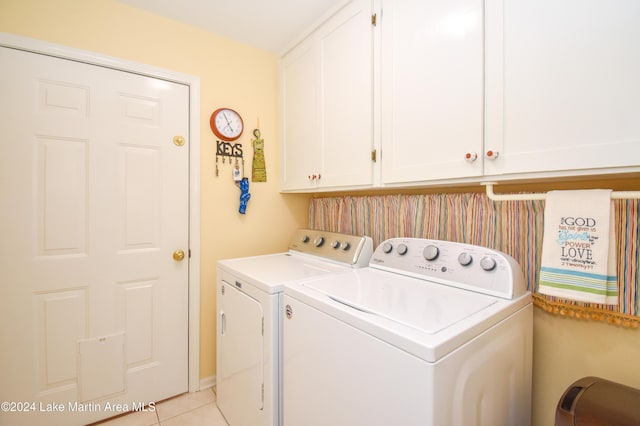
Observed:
{"x":432,"y":333}
{"x":249,"y":307}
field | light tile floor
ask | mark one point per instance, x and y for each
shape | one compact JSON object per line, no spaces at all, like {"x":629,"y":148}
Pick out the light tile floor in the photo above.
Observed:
{"x":198,"y":408}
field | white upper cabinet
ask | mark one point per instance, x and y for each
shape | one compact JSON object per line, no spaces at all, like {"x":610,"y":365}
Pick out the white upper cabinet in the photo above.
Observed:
{"x":431,"y":76}
{"x":328,"y":104}
{"x":460,"y":91}
{"x":562,"y":86}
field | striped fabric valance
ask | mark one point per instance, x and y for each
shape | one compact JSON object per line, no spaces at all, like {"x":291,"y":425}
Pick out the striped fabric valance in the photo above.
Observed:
{"x":514,"y":227}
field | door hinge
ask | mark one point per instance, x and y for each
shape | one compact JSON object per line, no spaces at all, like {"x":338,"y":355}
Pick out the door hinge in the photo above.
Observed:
{"x":374,"y":155}
{"x":374,"y":19}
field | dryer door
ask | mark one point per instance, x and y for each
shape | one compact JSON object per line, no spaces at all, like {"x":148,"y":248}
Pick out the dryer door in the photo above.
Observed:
{"x":240,"y":356}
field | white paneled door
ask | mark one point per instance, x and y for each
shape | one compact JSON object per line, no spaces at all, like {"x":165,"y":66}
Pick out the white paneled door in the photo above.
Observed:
{"x":94,"y":186}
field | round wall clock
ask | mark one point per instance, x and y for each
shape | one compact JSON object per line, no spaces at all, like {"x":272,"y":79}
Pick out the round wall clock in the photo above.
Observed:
{"x":226,"y":124}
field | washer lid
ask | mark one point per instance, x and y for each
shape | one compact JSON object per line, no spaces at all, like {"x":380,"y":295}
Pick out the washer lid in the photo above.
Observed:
{"x":270,"y":272}
{"x":421,"y":305}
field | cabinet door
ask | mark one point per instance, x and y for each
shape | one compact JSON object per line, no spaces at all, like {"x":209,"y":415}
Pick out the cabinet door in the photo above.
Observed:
{"x":328,"y":104}
{"x":431,"y":89}
{"x":563,"y":86}
{"x":347,"y":97}
{"x":302,"y":135}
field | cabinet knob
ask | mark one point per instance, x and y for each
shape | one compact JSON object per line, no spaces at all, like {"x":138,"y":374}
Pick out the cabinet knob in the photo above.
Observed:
{"x":491,"y":154}
{"x":471,"y":157}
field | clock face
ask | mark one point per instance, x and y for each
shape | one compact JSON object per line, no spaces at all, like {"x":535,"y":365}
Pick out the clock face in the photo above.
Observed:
{"x":226,"y":124}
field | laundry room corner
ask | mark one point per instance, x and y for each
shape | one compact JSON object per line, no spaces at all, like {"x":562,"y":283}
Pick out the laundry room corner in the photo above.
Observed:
{"x":246,"y":173}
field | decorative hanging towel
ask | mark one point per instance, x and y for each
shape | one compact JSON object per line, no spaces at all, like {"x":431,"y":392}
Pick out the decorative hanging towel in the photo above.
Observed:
{"x":578,"y":248}
{"x":244,"y":195}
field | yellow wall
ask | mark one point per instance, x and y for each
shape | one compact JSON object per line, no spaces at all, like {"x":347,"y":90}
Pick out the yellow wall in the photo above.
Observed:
{"x":566,"y":349}
{"x":238,"y":76}
{"x":231,"y":74}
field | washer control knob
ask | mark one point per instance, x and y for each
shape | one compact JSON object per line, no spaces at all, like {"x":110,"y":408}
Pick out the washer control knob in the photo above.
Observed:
{"x":305,"y":239}
{"x":345,"y":246}
{"x":488,"y":263}
{"x":465,"y":258}
{"x":402,"y":249}
{"x":387,"y":247}
{"x":431,"y":252}
{"x":335,"y":244}
{"x":318,"y":241}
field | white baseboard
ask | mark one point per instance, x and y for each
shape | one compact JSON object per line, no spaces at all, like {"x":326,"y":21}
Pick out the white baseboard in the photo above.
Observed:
{"x":208,"y":382}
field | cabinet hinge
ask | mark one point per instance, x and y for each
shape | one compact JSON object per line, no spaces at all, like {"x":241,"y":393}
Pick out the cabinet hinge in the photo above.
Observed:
{"x":374,"y":19}
{"x":374,"y":155}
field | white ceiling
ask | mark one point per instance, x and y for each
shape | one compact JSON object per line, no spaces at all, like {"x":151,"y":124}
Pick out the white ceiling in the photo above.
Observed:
{"x":266,"y":24}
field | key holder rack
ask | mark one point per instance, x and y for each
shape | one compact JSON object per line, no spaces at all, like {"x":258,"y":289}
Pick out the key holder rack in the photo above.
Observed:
{"x":228,"y":152}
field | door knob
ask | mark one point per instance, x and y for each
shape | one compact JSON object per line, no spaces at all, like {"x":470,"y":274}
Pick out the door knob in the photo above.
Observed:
{"x":178,"y":255}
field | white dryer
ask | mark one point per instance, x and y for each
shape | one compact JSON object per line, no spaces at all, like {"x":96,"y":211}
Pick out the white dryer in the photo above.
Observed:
{"x":249,"y":308}
{"x":432,"y":333}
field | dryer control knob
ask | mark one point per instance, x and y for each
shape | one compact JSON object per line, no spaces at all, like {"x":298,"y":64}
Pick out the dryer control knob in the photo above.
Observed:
{"x":335,"y":244}
{"x":488,"y":263}
{"x":345,"y":246}
{"x":318,"y":241}
{"x":465,"y":258}
{"x":431,"y":252}
{"x":402,"y":249}
{"x":305,"y":239}
{"x":387,"y":247}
